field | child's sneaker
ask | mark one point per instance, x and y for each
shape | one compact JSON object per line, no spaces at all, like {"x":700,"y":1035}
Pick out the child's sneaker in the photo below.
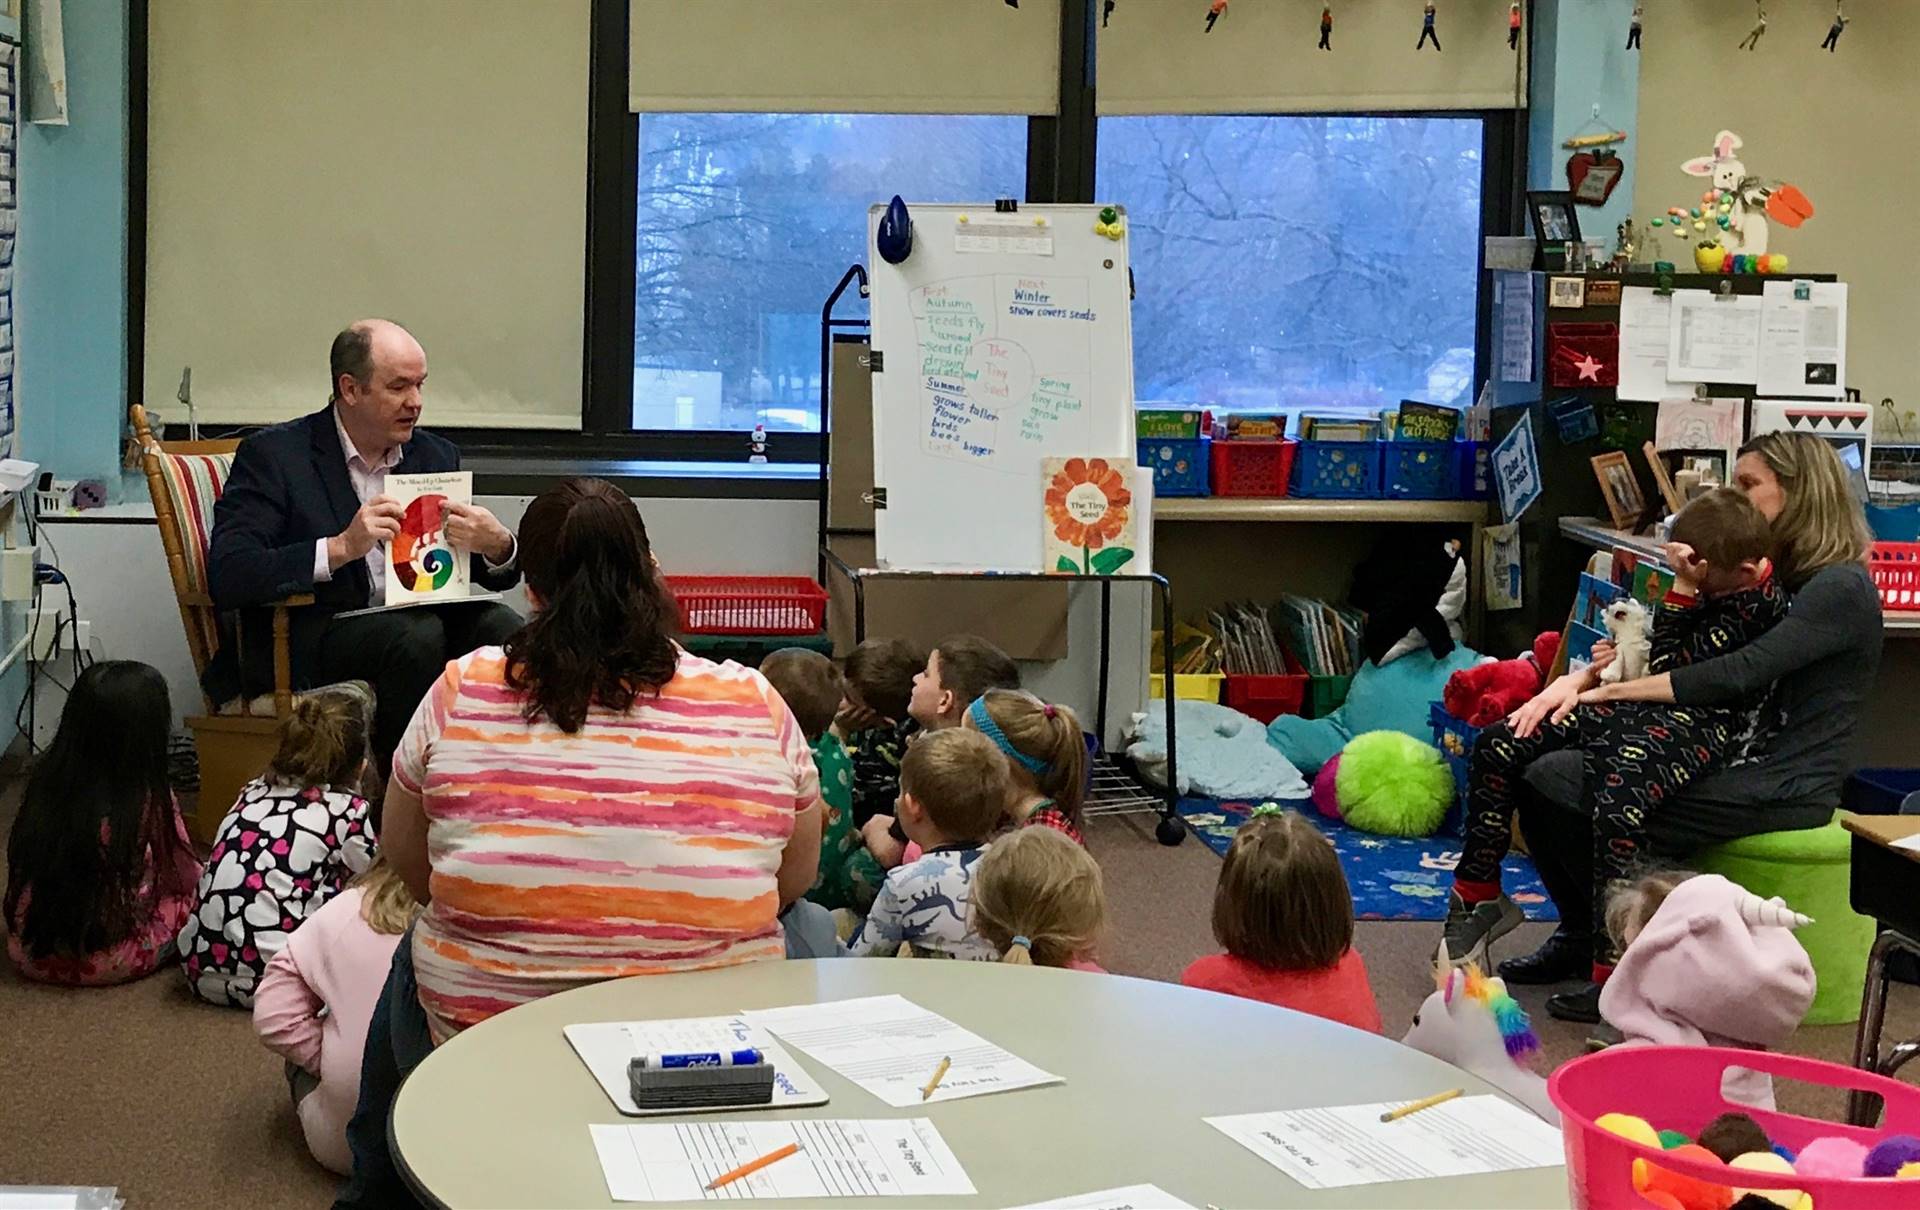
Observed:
{"x":1472,"y":927}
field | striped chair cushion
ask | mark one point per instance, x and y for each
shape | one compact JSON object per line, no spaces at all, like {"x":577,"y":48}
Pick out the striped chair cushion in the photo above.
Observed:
{"x":194,"y":483}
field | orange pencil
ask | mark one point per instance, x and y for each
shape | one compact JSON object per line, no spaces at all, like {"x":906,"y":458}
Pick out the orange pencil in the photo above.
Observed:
{"x":753,"y":1166}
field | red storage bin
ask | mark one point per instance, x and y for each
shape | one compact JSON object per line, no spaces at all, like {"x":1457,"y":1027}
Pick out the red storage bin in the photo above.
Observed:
{"x":1896,"y":573}
{"x":749,"y":604}
{"x":1252,"y":468}
{"x":1265,"y":697}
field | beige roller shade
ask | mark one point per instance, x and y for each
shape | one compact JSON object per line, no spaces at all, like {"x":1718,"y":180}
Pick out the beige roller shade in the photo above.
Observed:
{"x":312,"y":162}
{"x":1156,"y":57}
{"x":845,"y":56}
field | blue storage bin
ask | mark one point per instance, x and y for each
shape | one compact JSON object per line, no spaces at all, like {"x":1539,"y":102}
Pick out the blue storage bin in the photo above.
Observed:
{"x":1894,"y":522}
{"x":1179,"y":464}
{"x":1337,"y":470}
{"x":1433,"y":470}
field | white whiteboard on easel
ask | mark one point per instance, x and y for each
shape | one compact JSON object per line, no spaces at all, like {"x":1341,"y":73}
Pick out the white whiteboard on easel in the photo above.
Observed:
{"x":1005,"y":338}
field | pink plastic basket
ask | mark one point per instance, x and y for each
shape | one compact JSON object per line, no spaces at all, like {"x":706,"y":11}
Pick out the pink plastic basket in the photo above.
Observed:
{"x":1678,"y":1088}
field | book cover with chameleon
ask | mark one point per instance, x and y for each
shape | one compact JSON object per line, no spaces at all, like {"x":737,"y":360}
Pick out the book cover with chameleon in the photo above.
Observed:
{"x":422,"y":565}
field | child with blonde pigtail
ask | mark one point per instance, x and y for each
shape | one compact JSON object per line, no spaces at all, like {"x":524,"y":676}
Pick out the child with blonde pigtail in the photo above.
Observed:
{"x":1046,"y":753}
{"x":1038,"y":898}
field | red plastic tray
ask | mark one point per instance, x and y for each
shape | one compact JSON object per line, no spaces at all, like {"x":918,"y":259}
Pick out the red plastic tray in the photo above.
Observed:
{"x":749,"y":604}
{"x":1896,"y":573}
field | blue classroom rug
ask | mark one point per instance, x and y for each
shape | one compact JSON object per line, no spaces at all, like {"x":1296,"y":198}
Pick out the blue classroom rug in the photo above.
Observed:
{"x":1391,"y":877}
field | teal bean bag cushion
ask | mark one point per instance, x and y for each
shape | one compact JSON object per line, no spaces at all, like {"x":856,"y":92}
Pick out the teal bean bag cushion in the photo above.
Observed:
{"x":1390,"y":698}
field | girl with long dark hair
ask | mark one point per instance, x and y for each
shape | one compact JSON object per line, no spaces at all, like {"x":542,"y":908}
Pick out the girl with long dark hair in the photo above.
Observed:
{"x":100,"y":872}
{"x":600,"y":801}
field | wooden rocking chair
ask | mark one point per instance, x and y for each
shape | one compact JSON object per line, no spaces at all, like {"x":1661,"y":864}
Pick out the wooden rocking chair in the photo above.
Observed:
{"x":236,"y":739}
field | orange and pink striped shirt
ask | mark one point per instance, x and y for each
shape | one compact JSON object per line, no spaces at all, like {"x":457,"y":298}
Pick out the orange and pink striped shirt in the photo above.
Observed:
{"x":647,"y":842}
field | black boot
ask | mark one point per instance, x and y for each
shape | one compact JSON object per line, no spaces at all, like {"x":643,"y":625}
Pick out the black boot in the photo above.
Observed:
{"x":1581,"y":1006}
{"x":1564,"y":956}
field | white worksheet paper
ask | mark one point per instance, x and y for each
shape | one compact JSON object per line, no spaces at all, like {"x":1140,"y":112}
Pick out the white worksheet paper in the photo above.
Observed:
{"x":607,"y":1046}
{"x":1910,"y":843}
{"x":1646,"y":322}
{"x":838,"y":1157}
{"x":1803,"y":350}
{"x":1714,"y":338}
{"x":890,"y":1046}
{"x":1132,"y":1197}
{"x":1344,"y":1145}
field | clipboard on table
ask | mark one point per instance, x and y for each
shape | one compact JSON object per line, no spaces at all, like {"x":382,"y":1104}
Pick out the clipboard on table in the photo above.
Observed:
{"x":606,"y":1047}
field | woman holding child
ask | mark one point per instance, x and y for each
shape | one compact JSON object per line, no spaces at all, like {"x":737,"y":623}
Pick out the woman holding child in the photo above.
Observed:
{"x":1805,"y":678}
{"x":587,"y":802}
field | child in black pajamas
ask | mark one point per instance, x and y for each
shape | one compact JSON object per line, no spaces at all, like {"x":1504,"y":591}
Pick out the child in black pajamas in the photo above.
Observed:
{"x":1637,"y":754}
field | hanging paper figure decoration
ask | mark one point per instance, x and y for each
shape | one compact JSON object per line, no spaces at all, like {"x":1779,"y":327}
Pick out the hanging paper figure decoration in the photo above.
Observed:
{"x":1213,"y":12}
{"x":1106,"y":13}
{"x":1752,"y":40}
{"x":1326,"y":27}
{"x":1513,"y":25}
{"x":1739,"y":206}
{"x":1427,"y":33}
{"x":1834,"y":31}
{"x":1633,"y":27}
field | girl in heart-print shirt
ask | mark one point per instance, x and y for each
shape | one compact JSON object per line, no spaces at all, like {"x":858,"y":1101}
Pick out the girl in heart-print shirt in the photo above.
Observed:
{"x":291,"y":842}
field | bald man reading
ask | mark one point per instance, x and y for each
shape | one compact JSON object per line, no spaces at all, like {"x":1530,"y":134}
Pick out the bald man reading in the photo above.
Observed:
{"x":304,"y":511}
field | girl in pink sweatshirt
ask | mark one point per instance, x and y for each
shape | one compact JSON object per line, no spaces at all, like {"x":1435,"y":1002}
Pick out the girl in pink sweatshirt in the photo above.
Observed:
{"x":317,"y":995}
{"x":1707,"y":963}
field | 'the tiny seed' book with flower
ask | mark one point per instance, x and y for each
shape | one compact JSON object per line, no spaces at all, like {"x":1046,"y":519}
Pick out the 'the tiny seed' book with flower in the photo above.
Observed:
{"x":1089,"y":515}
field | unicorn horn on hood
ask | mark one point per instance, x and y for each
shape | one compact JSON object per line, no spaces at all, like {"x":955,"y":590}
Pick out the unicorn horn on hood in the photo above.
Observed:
{"x":1757,"y":911}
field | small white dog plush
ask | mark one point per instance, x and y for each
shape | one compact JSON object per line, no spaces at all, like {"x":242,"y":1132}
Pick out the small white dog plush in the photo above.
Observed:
{"x":1627,"y":625}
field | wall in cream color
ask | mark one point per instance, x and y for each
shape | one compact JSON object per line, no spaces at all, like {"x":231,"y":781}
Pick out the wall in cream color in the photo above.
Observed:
{"x":1839,"y":126}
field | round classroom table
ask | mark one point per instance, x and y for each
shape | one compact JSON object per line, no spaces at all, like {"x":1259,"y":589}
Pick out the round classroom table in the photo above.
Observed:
{"x":498,"y":1116}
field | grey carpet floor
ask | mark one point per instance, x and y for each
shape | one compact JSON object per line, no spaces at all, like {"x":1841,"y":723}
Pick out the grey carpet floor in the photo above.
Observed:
{"x":174,"y":1102}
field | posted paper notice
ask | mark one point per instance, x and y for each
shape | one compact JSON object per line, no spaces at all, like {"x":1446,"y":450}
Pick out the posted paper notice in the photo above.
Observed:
{"x":1346,"y":1145}
{"x":1805,"y":346}
{"x":896,"y":1157}
{"x":890,"y":1046}
{"x":1714,"y":338}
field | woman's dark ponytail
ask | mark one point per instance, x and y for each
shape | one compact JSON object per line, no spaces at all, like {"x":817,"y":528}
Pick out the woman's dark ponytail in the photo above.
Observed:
{"x":602,"y":631}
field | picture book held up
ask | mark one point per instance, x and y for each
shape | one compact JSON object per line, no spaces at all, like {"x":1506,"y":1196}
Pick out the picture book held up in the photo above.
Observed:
{"x":422,"y":564}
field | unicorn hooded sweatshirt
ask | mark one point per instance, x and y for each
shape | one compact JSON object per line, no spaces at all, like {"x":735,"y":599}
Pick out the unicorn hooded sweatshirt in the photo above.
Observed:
{"x":1715,"y":966}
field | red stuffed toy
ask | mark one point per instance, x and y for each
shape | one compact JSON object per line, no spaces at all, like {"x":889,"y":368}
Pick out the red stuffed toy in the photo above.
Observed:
{"x":1487,"y":693}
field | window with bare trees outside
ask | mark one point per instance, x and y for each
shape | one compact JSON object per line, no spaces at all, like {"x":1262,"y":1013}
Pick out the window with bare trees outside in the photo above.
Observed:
{"x":1299,"y":261}
{"x":746,"y":222}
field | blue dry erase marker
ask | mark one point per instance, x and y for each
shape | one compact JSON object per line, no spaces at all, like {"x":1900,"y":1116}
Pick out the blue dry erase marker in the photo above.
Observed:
{"x":744,"y":1057}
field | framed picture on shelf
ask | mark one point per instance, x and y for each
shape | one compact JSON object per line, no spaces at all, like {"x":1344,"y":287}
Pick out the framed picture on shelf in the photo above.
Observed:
{"x":1555,"y":227}
{"x":1619,"y":488}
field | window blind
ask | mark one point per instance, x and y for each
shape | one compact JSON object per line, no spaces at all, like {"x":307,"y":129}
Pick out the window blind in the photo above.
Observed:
{"x":312,"y":163}
{"x":1263,"y":57}
{"x":845,"y":56}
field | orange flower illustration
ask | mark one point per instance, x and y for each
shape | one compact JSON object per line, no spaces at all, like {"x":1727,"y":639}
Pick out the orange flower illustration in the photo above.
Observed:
{"x":1087,"y":502}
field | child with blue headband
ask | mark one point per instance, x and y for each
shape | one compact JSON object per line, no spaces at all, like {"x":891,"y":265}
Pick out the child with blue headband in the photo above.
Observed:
{"x":1046,"y":752}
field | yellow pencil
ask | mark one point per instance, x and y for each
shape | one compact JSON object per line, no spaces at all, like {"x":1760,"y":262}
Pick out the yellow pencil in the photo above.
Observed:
{"x":1438,"y":1098}
{"x":939,"y":1074}
{"x":753,"y":1166}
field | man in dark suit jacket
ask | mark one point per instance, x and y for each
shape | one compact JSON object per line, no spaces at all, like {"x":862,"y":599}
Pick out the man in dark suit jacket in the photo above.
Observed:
{"x":304,"y":511}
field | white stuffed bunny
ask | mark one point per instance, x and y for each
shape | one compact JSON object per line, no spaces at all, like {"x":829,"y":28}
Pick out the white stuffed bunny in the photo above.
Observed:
{"x":1627,"y":624}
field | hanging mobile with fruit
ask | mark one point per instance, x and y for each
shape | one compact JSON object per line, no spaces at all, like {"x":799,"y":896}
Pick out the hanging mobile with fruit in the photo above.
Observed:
{"x":1595,"y":168}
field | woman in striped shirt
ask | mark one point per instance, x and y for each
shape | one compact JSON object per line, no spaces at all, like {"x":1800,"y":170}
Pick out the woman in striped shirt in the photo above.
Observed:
{"x":591,"y":801}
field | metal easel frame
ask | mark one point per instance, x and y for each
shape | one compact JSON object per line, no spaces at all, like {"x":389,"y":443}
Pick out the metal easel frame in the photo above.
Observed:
{"x":1170,"y":830}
